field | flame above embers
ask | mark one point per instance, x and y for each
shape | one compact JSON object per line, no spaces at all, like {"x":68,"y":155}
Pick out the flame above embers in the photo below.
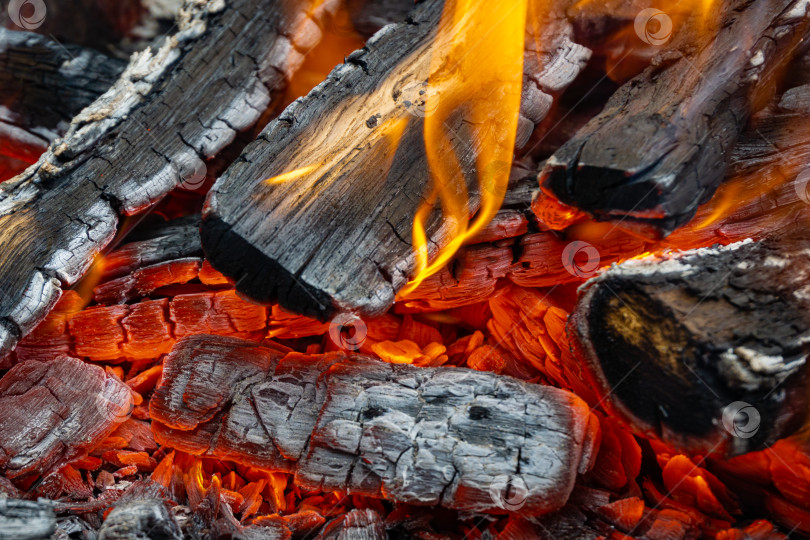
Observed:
{"x":476,"y":72}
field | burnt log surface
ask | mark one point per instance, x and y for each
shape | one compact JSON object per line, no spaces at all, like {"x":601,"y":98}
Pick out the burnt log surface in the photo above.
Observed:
{"x":454,"y":437}
{"x":659,"y":147}
{"x":338,"y":235}
{"x":26,"y":520}
{"x":176,"y":239}
{"x":43,"y":85}
{"x":355,"y":525}
{"x":170,"y":109}
{"x":140,"y":519}
{"x":52,"y":412}
{"x":676,"y":340}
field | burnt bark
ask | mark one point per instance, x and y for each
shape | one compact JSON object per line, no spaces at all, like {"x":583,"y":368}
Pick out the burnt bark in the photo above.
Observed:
{"x":468,"y":440}
{"x":659,"y":147}
{"x":171,"y":109}
{"x":176,"y":239}
{"x":43,"y":85}
{"x":53,"y":412}
{"x":338,"y":236}
{"x":677,"y":342}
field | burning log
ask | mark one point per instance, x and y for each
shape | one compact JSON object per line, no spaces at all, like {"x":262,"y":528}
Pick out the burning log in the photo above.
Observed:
{"x":355,"y":424}
{"x":657,"y":150}
{"x":171,"y":109}
{"x":53,"y":412}
{"x":706,"y":348}
{"x":176,"y":239}
{"x":26,"y":520}
{"x":43,"y":85}
{"x":355,"y":525}
{"x":299,"y":219}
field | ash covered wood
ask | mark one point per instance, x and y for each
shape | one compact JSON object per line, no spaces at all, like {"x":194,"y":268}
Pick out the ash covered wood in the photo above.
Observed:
{"x":680,"y":341}
{"x":43,"y":85}
{"x":338,"y":236}
{"x":52,"y":412}
{"x":455,"y":437}
{"x":26,"y":520}
{"x":140,"y":519}
{"x":659,"y":147}
{"x":171,"y":109}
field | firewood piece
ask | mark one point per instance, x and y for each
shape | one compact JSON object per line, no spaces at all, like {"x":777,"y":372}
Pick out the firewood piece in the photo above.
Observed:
{"x":355,"y":525}
{"x":658,"y":149}
{"x":54,"y":411}
{"x":145,"y":280}
{"x":26,"y":520}
{"x":140,"y":518}
{"x":173,"y":240}
{"x":354,"y":424}
{"x":170,"y":109}
{"x":674,"y":341}
{"x":43,"y":85}
{"x":143,"y":330}
{"x":338,"y":237}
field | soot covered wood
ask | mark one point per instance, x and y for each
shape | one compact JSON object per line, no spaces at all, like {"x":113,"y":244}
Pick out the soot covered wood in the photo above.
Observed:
{"x":455,"y":437}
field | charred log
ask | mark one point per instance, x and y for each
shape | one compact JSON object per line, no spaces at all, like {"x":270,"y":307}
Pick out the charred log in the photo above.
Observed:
{"x":26,"y":520}
{"x":54,"y":411}
{"x":658,"y":149}
{"x":337,"y":236}
{"x":168,"y":241}
{"x":140,"y":518}
{"x":355,"y":525}
{"x":171,"y":109}
{"x":43,"y":85}
{"x":706,"y":348}
{"x":355,"y":423}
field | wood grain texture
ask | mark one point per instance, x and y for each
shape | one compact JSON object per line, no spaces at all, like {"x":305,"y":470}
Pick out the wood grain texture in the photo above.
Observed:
{"x":339,"y":236}
{"x":171,"y":109}
{"x":355,"y":525}
{"x":455,"y":437}
{"x":675,"y":340}
{"x":659,"y":147}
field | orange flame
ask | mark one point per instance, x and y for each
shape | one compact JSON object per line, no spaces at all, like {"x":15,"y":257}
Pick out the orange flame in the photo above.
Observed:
{"x":476,"y":70}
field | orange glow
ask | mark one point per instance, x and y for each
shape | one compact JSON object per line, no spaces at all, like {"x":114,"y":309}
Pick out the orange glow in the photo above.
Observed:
{"x":727,"y":196}
{"x":339,"y":39}
{"x":476,"y":70}
{"x":291,"y":175}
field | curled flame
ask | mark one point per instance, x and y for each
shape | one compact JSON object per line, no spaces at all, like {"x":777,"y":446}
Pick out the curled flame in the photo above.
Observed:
{"x":476,"y":71}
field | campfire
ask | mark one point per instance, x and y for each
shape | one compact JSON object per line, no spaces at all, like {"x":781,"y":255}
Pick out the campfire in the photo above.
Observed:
{"x":338,"y":269}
